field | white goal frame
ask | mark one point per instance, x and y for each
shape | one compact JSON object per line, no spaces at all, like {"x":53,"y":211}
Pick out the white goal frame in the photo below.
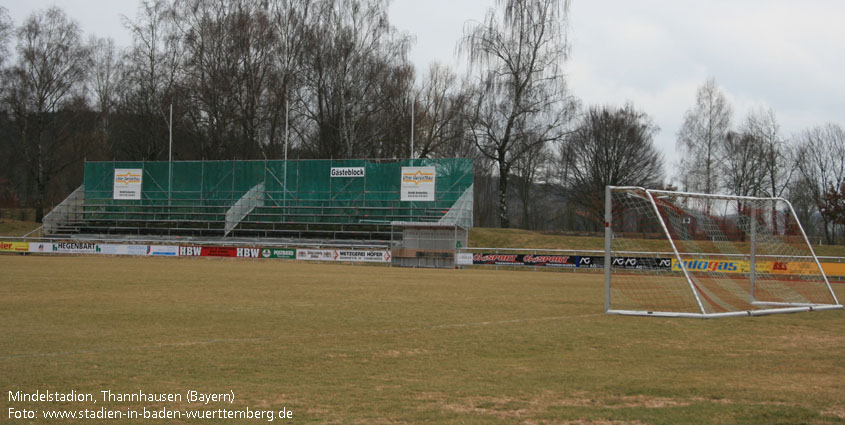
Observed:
{"x":758,"y":307}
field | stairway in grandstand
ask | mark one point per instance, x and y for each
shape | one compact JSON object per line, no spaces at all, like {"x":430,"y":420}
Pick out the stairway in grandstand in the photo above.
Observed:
{"x":261,"y":199}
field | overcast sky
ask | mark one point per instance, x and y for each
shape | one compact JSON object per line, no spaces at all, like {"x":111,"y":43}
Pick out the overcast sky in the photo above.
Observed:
{"x":784,"y":54}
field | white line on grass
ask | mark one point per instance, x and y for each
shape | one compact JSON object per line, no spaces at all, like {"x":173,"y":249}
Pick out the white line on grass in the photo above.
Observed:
{"x":320,"y":335}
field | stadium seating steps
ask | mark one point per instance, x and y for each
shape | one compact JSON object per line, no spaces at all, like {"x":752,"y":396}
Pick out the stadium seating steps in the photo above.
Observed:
{"x":261,"y":199}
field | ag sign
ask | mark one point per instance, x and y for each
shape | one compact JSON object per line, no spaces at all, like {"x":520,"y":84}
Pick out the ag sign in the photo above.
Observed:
{"x":127,"y":183}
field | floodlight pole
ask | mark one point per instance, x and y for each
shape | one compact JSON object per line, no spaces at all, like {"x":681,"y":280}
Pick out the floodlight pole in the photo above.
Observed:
{"x":170,"y":160}
{"x":285,"y":168}
{"x":608,"y":235}
{"x":412,"y":129}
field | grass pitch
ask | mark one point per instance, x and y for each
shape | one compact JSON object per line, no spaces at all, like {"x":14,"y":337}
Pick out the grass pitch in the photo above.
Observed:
{"x":375,"y":345}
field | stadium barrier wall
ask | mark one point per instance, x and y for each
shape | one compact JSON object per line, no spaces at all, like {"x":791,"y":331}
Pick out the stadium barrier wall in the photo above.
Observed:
{"x":595,"y":260}
{"x":94,"y":248}
{"x":535,"y":258}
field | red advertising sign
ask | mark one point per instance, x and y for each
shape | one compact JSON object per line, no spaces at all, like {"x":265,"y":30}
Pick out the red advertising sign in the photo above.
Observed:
{"x":219,"y":251}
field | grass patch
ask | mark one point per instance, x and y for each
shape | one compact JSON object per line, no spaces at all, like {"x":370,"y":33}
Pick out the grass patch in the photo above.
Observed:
{"x":10,"y":227}
{"x":372,"y":345}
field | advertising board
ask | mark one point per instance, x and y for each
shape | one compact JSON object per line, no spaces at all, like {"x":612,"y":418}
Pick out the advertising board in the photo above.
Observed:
{"x":532,"y":260}
{"x":220,"y":251}
{"x":350,"y":255}
{"x":14,"y":246}
{"x":463,"y":259}
{"x":285,"y":254}
{"x":73,"y":247}
{"x":315,"y":254}
{"x":127,"y":183}
{"x":164,"y":250}
{"x":365,"y":256}
{"x":41,"y":247}
{"x":120,"y":249}
{"x":417,"y":184}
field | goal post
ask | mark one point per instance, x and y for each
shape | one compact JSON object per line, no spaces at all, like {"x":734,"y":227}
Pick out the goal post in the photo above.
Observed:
{"x":681,"y":254}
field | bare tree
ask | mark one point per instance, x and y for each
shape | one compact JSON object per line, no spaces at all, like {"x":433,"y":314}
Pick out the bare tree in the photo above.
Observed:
{"x":527,"y":169}
{"x":355,"y":70}
{"x":520,"y":99}
{"x":48,"y":77}
{"x":821,"y":162}
{"x":440,"y":111}
{"x":702,"y":136}
{"x":6,"y":32}
{"x":611,"y":146}
{"x":832,"y":206}
{"x":150,"y":81}
{"x":777,"y":156}
{"x":290,"y":19}
{"x":743,"y":168}
{"x":105,"y":81}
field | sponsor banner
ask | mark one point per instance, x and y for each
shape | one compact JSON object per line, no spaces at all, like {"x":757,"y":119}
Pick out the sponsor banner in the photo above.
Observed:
{"x":14,"y":246}
{"x":788,"y":267}
{"x":209,"y":251}
{"x":44,"y":247}
{"x":127,"y":183}
{"x":286,"y":254}
{"x":220,"y":251}
{"x":347,"y":172}
{"x":526,"y":260}
{"x":710,"y":265}
{"x":115,"y":249}
{"x":649,"y":263}
{"x":570,"y":261}
{"x":591,"y":262}
{"x":315,"y":254}
{"x":417,"y":184}
{"x":248,"y":252}
{"x":190,"y":251}
{"x":76,"y":248}
{"x":165,"y":250}
{"x":463,"y":259}
{"x":368,"y":256}
{"x":743,"y":266}
{"x":834,"y":269}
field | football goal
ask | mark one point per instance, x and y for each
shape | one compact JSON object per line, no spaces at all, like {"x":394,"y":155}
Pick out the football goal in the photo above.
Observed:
{"x":697,"y":255}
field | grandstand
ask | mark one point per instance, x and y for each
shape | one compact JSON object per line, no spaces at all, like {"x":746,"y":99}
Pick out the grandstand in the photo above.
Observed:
{"x":301,"y":199}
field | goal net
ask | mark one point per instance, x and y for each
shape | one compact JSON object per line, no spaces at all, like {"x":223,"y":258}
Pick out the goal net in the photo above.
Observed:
{"x":697,"y":255}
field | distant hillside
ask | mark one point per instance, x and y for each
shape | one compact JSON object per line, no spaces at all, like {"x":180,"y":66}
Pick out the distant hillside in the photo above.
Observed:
{"x":16,"y":227}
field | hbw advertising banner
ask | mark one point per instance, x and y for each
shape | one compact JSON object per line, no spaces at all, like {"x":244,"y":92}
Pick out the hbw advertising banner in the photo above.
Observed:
{"x":417,"y":184}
